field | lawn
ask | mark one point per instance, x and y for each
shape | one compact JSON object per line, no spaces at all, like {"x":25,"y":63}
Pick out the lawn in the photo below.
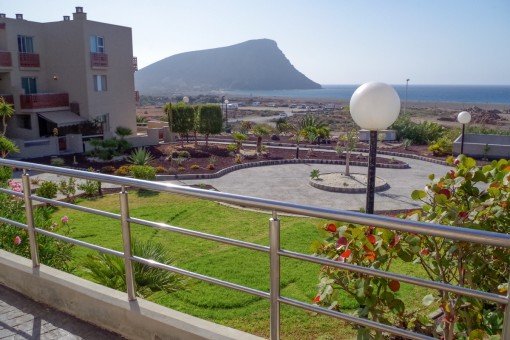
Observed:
{"x":241,"y":266}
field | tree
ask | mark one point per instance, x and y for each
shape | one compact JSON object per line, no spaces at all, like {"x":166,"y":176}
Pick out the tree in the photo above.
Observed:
{"x":6,"y":111}
{"x":183,"y":119}
{"x":210,"y":120}
{"x":347,"y":143}
{"x":260,"y":131}
{"x":239,"y":139}
{"x":7,"y":146}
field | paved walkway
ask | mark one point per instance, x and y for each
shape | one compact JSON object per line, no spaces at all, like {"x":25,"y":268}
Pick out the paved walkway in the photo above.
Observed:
{"x":22,"y":318}
{"x":289,"y":182}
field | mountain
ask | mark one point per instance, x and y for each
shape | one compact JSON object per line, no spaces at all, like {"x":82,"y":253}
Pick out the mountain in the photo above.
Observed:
{"x":251,"y":65}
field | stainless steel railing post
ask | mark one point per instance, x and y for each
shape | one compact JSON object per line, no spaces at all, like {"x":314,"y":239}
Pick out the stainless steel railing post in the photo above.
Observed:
{"x":126,"y":240}
{"x":506,"y":320}
{"x":29,"y":211}
{"x":274,"y":267}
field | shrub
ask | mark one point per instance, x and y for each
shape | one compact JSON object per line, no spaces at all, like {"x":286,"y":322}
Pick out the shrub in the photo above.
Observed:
{"x":213,"y":159}
{"x":160,"y":169}
{"x":109,"y":270}
{"x":181,"y":168}
{"x":238,"y":159}
{"x":177,"y":161}
{"x":181,"y":154}
{"x":108,"y":169}
{"x":67,"y":188}
{"x":442,"y":147}
{"x":420,"y":133}
{"x":232,"y":147}
{"x":210,"y":166}
{"x":57,"y":161}
{"x":90,"y":188}
{"x":124,"y":170}
{"x":5,"y":175}
{"x":315,"y":174}
{"x":141,"y":156}
{"x":48,"y":189}
{"x":195,"y":166}
{"x":467,"y":196}
{"x":146,"y":172}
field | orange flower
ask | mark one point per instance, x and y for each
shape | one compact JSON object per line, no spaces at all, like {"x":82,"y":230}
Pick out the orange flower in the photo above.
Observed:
{"x":317,"y":299}
{"x":370,"y":256}
{"x":371,"y":239}
{"x":440,"y":184}
{"x":394,"y":285}
{"x":346,"y":254}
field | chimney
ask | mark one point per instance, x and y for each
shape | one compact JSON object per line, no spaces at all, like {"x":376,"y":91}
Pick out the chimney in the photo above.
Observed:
{"x":79,"y":14}
{"x":2,"y":15}
{"x":19,"y":16}
{"x":67,"y":18}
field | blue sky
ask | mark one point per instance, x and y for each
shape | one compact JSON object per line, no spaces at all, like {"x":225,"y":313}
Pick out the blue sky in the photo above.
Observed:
{"x":331,"y":42}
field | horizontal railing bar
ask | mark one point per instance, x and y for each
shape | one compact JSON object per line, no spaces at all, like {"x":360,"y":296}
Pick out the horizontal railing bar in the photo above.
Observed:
{"x":352,"y":319}
{"x":400,"y":277}
{"x":77,"y":207}
{"x":11,"y":192}
{"x":437,"y":230}
{"x":14,"y":223}
{"x":201,"y":277}
{"x":200,"y":234}
{"x":79,"y":243}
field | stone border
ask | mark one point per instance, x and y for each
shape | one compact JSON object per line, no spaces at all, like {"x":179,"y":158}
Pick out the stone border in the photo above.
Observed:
{"x":382,"y":187}
{"x":275,"y":162}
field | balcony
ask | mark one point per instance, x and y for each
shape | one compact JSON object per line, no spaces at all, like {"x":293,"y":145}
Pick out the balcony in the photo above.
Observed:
{"x":9,"y":98}
{"x":5,"y":59}
{"x":44,"y":100}
{"x":98,"y":59}
{"x":137,"y":96}
{"x":129,"y":314}
{"x":135,"y":63}
{"x":29,"y":60}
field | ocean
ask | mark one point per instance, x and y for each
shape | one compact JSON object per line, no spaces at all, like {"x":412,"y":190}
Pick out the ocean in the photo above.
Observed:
{"x":491,"y":94}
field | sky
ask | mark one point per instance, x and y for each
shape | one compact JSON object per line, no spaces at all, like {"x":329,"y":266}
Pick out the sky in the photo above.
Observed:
{"x":453,"y":42}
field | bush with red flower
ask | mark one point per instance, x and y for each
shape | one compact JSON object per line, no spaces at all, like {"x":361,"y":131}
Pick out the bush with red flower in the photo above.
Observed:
{"x":467,"y":196}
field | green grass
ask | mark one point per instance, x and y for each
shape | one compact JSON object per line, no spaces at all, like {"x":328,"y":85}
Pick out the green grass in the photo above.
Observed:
{"x":241,"y":266}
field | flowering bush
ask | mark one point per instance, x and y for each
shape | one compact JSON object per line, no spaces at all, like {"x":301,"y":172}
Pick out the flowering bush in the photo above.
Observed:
{"x":52,"y":252}
{"x":467,"y":196}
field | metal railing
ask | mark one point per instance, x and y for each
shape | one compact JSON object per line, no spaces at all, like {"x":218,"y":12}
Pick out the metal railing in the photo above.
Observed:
{"x":274,"y":249}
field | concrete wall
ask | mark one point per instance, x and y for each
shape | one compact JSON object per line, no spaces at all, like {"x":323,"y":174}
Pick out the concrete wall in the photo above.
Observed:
{"x":389,"y":135}
{"x":36,"y":148}
{"x":483,"y":146}
{"x":105,"y":307}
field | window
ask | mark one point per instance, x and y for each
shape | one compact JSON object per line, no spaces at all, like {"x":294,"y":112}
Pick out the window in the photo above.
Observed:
{"x":96,"y":44}
{"x":25,"y":44}
{"x":24,"y":121}
{"x":100,"y":83}
{"x":29,"y":84}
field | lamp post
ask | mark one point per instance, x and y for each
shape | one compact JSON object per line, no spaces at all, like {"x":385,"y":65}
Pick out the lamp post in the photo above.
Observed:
{"x":464,"y":118}
{"x":226,"y":115}
{"x":374,"y":106}
{"x":405,"y":102}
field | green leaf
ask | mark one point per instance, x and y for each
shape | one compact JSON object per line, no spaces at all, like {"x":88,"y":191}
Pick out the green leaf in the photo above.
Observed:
{"x":418,"y":194}
{"x":428,"y":300}
{"x":363,"y":334}
{"x":440,"y":199}
{"x":476,"y":334}
{"x":316,"y":246}
{"x":431,"y":177}
{"x":494,"y":192}
{"x":397,"y":306}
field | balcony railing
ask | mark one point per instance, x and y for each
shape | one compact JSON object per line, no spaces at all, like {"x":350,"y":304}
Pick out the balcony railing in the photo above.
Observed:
{"x":9,"y":98}
{"x":274,"y":250}
{"x":98,"y":59}
{"x":44,"y":100}
{"x":135,"y":63}
{"x":137,"y":96}
{"x":29,"y":60}
{"x":5,"y":59}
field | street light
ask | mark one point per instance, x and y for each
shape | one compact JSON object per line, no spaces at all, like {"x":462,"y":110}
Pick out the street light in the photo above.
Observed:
{"x":464,"y":118}
{"x":374,"y":106}
{"x":405,"y":102}
{"x":226,"y":115}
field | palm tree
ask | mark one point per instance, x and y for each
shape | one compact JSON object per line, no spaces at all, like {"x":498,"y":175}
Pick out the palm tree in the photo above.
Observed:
{"x":347,"y":143}
{"x":6,"y":111}
{"x":260,"y":131}
{"x":239,"y":139}
{"x":109,"y":270}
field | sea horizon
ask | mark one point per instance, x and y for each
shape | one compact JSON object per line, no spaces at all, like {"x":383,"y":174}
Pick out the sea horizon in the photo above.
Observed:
{"x":486,"y":94}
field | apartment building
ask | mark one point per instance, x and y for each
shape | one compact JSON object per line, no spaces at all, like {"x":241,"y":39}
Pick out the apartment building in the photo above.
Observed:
{"x":66,"y":78}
